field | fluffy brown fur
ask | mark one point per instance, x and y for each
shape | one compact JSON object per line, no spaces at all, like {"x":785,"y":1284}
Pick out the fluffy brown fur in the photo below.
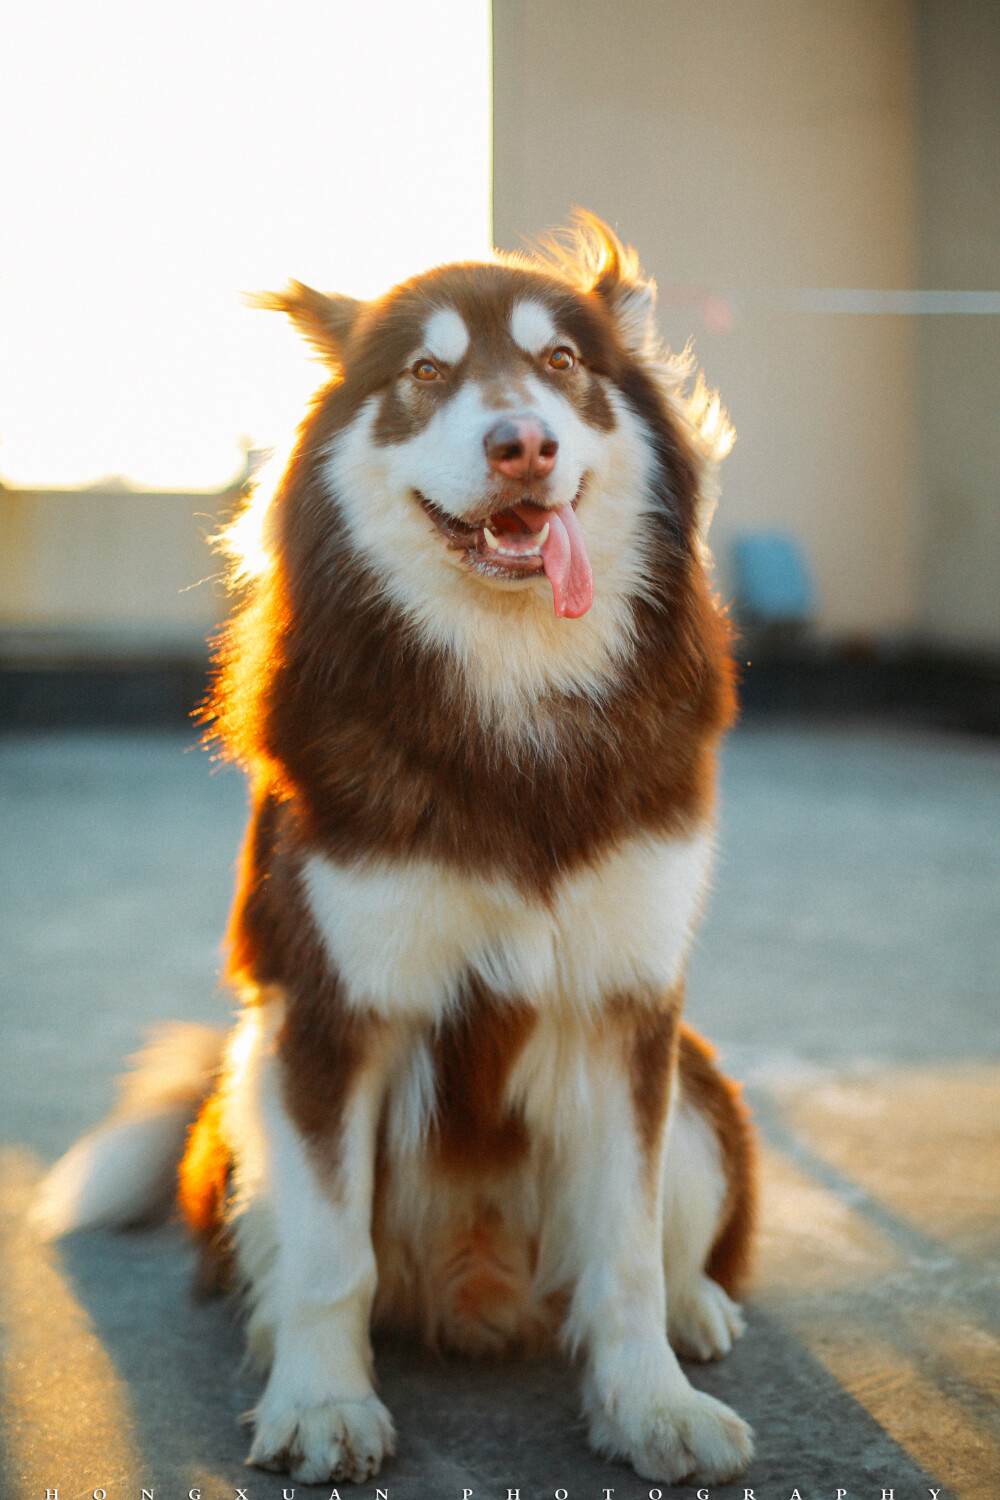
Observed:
{"x":460,"y":1098}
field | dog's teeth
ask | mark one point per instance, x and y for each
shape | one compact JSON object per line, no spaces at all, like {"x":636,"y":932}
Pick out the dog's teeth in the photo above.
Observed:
{"x":495,"y":545}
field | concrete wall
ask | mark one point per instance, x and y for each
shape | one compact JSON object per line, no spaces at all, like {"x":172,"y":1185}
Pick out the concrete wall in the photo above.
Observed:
{"x":959,"y":117}
{"x":749,"y":146}
{"x":115,"y":569}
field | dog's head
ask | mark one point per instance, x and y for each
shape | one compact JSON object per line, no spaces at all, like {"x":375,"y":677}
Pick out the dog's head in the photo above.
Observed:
{"x":500,"y":445}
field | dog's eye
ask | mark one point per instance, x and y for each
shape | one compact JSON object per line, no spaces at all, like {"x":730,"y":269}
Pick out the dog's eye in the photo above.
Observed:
{"x":562,"y":359}
{"x":425,"y":369}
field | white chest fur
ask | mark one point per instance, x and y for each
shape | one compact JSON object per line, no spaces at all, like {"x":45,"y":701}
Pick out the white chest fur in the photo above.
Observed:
{"x":403,"y":937}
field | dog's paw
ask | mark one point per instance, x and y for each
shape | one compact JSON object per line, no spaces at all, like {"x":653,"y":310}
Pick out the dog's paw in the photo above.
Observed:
{"x":702,"y":1322}
{"x":689,"y":1435}
{"x":329,"y":1441}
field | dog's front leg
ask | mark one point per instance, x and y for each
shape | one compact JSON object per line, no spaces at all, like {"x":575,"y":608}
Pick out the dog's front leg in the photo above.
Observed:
{"x":319,"y":1416}
{"x":639,"y":1402}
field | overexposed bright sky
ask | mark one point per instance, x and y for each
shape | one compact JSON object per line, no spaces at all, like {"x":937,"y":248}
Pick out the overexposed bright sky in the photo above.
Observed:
{"x":158,"y":160}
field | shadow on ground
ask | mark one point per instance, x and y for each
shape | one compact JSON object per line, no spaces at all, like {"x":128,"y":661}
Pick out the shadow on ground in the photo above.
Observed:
{"x":847,"y":968}
{"x":166,"y":1388}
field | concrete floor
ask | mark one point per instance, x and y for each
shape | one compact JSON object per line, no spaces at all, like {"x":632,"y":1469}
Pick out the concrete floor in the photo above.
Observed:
{"x":847,"y":970}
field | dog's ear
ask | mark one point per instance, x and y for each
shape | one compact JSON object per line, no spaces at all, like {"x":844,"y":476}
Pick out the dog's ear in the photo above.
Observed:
{"x":630,"y":296}
{"x":592,"y":256}
{"x":632,"y":303}
{"x":324,"y":319}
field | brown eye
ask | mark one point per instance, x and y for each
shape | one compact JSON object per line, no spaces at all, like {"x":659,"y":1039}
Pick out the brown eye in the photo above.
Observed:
{"x":562,"y":359}
{"x":424,"y":370}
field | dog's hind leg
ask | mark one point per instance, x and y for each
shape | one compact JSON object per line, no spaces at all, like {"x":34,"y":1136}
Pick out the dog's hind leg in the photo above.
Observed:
{"x":708,"y":1205}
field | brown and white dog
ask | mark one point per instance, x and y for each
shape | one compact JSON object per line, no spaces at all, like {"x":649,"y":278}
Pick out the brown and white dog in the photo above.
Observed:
{"x":478,"y":679}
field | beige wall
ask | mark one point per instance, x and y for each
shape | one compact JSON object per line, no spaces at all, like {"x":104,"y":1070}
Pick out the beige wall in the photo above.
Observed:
{"x":113,"y":567}
{"x":959,"y":116}
{"x":749,"y":144}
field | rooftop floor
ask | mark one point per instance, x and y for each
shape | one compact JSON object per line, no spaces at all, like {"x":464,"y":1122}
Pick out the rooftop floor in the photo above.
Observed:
{"x":847,"y":970}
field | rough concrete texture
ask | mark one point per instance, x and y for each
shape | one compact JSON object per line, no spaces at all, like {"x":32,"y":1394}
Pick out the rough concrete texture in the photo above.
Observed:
{"x":847,"y":969}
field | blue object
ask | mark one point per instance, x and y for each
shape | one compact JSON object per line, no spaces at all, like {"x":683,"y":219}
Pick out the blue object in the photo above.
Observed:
{"x":772,"y":579}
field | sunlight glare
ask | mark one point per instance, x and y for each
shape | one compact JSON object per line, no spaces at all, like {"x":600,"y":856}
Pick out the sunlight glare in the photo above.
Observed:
{"x":159,"y":161}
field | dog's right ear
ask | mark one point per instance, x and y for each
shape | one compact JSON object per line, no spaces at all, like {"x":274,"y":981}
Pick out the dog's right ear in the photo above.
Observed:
{"x":325,"y":320}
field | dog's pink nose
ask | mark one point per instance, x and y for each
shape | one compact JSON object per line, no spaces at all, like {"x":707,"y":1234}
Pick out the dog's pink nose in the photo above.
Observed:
{"x":521,"y":448}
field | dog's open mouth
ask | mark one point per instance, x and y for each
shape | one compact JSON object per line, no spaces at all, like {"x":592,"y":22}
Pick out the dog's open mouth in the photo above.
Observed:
{"x":522,"y":540}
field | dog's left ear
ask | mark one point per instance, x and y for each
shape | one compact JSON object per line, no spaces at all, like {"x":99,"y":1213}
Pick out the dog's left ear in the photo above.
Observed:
{"x":618,"y":281}
{"x":631,"y":301}
{"x":325,"y":319}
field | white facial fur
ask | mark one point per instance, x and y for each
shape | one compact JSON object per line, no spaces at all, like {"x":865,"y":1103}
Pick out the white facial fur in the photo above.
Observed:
{"x":402,"y":937}
{"x":457,"y":612}
{"x":532,"y":328}
{"x":446,"y":338}
{"x":446,"y":459}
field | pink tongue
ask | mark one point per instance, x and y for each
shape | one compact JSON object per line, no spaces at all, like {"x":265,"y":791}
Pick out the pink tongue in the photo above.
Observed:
{"x":564,"y":558}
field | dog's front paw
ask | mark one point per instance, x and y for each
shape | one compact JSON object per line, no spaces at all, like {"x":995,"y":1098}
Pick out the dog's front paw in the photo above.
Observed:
{"x":328,"y":1441}
{"x":702,"y":1322}
{"x":687,"y":1435}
